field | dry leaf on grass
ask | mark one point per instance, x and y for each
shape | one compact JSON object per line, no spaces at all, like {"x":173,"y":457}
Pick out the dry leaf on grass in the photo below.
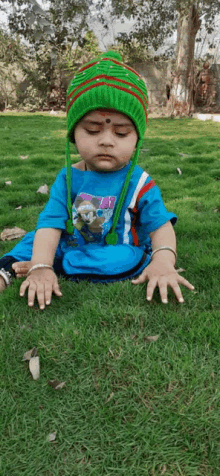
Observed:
{"x":56,"y":384}
{"x":43,"y":189}
{"x":133,"y":336}
{"x":179,"y":171}
{"x":110,"y":397}
{"x":8,"y":182}
{"x":18,"y":208}
{"x":23,"y":157}
{"x":164,"y":469}
{"x":30,"y":353}
{"x":34,"y":366}
{"x":151,"y":338}
{"x":52,"y":436}
{"x":12,"y":233}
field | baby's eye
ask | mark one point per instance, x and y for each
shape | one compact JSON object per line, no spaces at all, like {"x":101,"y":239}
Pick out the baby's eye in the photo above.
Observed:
{"x":92,"y":132}
{"x":121,"y":134}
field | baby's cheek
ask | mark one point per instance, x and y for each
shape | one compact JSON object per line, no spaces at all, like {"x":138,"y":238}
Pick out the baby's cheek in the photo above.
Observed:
{"x":86,"y":150}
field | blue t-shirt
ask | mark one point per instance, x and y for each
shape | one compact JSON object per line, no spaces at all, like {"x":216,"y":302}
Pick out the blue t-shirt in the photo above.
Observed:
{"x":85,"y":254}
{"x":94,"y":198}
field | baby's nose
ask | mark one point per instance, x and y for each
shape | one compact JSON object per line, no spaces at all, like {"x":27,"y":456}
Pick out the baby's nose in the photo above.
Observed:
{"x":107,"y":138}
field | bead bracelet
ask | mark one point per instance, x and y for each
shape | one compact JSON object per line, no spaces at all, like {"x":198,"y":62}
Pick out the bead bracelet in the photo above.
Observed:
{"x":6,"y":276}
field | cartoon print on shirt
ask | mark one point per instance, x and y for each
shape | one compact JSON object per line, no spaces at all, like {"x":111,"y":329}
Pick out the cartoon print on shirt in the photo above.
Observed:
{"x":90,"y":213}
{"x":86,"y":215}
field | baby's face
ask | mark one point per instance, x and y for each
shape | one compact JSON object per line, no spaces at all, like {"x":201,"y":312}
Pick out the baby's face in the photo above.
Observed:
{"x":105,"y":139}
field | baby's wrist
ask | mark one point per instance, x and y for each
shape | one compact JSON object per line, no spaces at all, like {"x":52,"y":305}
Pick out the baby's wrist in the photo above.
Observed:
{"x":39,"y":266}
{"x":163,"y":255}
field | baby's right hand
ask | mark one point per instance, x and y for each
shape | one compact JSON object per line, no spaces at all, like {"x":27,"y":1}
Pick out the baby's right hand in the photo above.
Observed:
{"x":2,"y":284}
{"x":41,"y":283}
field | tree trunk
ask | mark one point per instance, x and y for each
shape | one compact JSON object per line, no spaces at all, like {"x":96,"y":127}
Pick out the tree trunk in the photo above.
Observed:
{"x":182,"y":88}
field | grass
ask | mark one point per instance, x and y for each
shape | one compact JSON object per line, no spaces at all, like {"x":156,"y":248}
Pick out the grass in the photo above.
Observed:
{"x":129,"y":407}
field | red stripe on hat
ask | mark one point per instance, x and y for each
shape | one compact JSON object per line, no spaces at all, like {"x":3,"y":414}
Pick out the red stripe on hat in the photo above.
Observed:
{"x":86,"y":67}
{"x":112,"y":86}
{"x":113,"y":61}
{"x":109,"y":78}
{"x":123,"y":65}
{"x":144,"y":190}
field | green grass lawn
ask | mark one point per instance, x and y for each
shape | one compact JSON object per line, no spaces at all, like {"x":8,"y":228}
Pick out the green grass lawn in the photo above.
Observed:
{"x":128,"y":407}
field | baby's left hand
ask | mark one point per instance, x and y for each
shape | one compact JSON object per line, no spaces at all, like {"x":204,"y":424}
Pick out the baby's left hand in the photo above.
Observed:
{"x":21,"y":268}
{"x":162,"y":274}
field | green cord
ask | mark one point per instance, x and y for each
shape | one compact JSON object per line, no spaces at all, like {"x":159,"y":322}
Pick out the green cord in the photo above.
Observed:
{"x":69,"y":223}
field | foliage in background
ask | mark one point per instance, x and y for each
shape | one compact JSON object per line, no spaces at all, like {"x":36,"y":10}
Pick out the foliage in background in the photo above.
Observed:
{"x":60,"y":41}
{"x":51,"y":35}
{"x":12,"y":58}
{"x":83,"y":53}
{"x":132,"y":52}
{"x":61,"y":22}
{"x":43,"y":86}
{"x":31,"y":81}
{"x":155,"y":20}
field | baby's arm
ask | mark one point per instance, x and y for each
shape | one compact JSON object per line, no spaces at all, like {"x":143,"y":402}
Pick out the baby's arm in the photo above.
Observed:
{"x":161,"y":271}
{"x":42,"y":282}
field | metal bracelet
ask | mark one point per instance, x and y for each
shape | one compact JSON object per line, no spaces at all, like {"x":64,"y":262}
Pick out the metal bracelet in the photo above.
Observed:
{"x":37,"y":266}
{"x":163,"y":248}
{"x":6,"y":276}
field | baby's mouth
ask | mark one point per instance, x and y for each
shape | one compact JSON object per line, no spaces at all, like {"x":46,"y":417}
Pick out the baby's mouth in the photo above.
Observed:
{"x":107,"y":156}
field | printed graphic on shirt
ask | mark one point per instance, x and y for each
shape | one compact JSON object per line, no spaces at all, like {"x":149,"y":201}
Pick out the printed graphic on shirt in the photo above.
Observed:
{"x":90,"y":214}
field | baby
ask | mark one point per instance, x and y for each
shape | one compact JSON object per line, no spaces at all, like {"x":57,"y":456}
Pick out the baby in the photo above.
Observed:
{"x":105,"y":220}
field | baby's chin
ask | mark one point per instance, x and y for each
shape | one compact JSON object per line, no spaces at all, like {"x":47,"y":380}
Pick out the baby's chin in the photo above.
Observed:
{"x":105,"y":166}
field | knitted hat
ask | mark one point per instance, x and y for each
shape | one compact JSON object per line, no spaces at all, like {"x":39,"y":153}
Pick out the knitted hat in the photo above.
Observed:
{"x":106,"y":83}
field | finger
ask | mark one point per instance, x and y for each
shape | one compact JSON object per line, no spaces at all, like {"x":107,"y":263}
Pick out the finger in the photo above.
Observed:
{"x":142,"y":278}
{"x":56,"y":289}
{"x":41,"y":295}
{"x":16,"y":265}
{"x":20,"y":272}
{"x":177,"y":291}
{"x":48,"y":293}
{"x":20,"y":265}
{"x":20,"y":275}
{"x":151,"y":287}
{"x":31,"y":293}
{"x":185,"y":283}
{"x":24,"y":286}
{"x":163,"y":290}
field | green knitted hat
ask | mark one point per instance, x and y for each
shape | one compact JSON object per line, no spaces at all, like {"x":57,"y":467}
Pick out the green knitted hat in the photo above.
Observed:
{"x":106,"y":83}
